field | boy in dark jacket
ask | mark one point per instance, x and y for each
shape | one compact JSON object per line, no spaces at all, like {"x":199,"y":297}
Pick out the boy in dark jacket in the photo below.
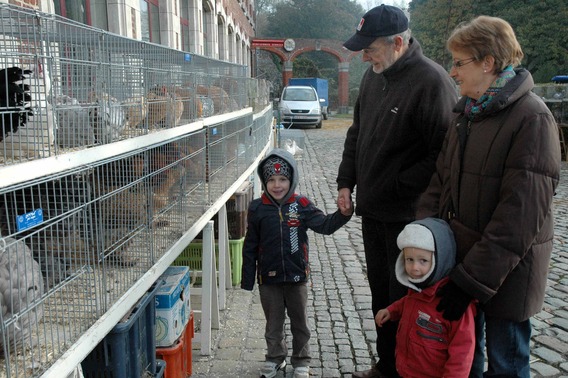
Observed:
{"x":275,"y":251}
{"x":427,"y":344}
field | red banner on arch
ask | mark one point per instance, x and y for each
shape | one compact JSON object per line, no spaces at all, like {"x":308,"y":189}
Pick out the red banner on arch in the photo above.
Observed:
{"x":267,"y":43}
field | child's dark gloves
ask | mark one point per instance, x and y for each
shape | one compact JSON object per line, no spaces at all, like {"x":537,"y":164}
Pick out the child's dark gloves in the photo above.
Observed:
{"x":454,"y":301}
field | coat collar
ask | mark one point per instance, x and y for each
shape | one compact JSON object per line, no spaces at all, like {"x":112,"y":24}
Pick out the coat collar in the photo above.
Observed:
{"x":266,"y":200}
{"x":520,"y":85}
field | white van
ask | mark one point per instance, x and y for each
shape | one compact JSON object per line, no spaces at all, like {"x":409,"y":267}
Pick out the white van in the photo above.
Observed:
{"x":300,"y":105}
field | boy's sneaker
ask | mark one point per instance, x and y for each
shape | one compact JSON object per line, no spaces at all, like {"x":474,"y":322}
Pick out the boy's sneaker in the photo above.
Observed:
{"x":270,"y":369}
{"x":302,"y":372}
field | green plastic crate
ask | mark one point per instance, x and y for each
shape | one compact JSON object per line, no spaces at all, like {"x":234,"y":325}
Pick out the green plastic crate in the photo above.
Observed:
{"x":191,"y":257}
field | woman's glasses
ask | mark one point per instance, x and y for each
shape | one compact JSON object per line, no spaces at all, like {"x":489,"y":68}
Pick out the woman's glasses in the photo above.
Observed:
{"x":460,"y":63}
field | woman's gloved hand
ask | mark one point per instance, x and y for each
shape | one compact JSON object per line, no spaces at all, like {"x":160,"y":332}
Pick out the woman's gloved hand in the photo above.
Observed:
{"x":454,"y":301}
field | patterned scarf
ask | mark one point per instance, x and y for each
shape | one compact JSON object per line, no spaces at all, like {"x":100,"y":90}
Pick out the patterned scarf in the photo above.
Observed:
{"x":473,"y":107}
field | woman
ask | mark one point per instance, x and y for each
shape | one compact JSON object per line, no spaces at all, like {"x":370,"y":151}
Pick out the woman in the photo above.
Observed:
{"x":496,"y":175}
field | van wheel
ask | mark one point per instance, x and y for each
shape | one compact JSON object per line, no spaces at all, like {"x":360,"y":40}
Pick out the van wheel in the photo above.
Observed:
{"x":318,"y":126}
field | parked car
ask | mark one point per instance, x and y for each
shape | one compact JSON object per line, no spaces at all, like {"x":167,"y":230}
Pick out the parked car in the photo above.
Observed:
{"x":300,"y":105}
{"x":320,"y":85}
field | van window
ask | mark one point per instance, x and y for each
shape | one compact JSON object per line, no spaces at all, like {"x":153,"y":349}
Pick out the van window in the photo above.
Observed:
{"x":299,"y":94}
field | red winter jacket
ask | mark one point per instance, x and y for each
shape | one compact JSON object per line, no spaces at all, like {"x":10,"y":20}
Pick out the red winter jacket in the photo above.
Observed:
{"x":427,"y":345}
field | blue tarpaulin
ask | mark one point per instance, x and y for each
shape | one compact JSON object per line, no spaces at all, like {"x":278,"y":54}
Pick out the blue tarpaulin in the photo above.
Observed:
{"x":560,"y":79}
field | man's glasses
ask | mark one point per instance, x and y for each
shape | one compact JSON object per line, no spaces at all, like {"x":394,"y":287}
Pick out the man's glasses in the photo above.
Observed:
{"x":460,"y":63}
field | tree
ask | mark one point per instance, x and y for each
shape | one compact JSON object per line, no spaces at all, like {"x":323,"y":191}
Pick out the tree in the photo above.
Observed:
{"x":331,"y":19}
{"x":541,"y":30}
{"x":263,"y":9}
{"x":432,"y":21}
{"x":317,"y":19}
{"x":539,"y":26}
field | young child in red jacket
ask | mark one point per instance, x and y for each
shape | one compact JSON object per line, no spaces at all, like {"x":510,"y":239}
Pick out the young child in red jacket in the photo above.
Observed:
{"x":427,"y":345}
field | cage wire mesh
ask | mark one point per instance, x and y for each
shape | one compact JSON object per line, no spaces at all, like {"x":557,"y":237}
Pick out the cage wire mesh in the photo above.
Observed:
{"x":89,"y":87}
{"x":73,"y":242}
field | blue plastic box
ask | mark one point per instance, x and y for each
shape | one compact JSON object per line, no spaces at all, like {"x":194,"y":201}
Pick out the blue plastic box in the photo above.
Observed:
{"x":173,"y":305}
{"x":129,"y":350}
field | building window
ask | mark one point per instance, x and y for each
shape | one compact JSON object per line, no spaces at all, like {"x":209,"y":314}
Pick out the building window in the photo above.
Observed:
{"x":73,"y":10}
{"x":133,"y":22}
{"x":184,"y":20}
{"x":88,"y":12}
{"x":207,"y":35}
{"x":150,"y":20}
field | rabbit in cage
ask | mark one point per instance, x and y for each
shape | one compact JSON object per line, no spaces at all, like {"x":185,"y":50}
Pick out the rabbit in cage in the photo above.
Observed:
{"x":74,"y":128}
{"x":35,"y":137}
{"x":21,"y":288}
{"x":119,"y":218}
{"x":192,"y":105}
{"x":107,"y":117}
{"x":121,"y":211}
{"x":164,"y":182}
{"x":14,"y":100}
{"x":222,"y":102}
{"x":54,"y":266}
{"x":162,"y":169}
{"x":136,"y":110}
{"x":58,"y":243}
{"x":164,"y":109}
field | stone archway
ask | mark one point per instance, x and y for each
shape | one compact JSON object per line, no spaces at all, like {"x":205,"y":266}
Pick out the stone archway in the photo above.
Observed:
{"x":289,"y":49}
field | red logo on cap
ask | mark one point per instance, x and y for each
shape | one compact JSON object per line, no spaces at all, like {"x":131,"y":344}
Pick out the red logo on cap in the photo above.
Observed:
{"x":360,"y":26}
{"x":277,"y":168}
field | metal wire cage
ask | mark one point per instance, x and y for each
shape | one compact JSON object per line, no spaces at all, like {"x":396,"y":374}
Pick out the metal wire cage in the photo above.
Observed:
{"x":120,"y":148}
{"x":89,"y":87}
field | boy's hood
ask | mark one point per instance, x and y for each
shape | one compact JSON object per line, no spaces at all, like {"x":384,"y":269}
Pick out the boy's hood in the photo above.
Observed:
{"x":289,"y":158}
{"x":444,"y":255}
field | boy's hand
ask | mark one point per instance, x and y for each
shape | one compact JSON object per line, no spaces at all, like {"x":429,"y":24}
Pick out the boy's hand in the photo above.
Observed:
{"x":382,"y":316}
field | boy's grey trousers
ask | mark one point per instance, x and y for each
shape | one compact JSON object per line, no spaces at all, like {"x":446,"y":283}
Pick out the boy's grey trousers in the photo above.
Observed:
{"x":276,"y":300}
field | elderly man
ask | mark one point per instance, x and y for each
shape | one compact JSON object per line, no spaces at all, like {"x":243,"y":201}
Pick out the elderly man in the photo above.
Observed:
{"x":401,"y":115}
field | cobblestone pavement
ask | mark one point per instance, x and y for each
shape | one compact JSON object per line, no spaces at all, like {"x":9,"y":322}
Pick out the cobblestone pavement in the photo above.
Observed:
{"x":343,"y":335}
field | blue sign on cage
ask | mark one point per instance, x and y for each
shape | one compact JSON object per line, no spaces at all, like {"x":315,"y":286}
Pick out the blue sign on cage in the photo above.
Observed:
{"x":29,"y":220}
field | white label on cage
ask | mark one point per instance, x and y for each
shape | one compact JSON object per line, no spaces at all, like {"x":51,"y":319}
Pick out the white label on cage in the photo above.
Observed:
{"x":29,"y":220}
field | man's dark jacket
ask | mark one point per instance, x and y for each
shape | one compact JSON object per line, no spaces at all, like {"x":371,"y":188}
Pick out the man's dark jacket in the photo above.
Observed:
{"x":399,"y":123}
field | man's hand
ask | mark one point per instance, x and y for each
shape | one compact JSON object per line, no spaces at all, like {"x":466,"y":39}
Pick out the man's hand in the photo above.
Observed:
{"x":344,"y":203}
{"x":454,"y":301}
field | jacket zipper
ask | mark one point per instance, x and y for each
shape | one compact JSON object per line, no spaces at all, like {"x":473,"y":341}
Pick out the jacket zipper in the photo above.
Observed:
{"x":468,"y":131}
{"x":282,"y":241}
{"x":440,"y":339}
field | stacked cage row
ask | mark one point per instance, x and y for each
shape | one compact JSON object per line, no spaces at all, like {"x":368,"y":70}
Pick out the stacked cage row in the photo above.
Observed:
{"x":85,"y":87}
{"x":229,"y":152}
{"x":88,"y":235}
{"x":84,"y":238}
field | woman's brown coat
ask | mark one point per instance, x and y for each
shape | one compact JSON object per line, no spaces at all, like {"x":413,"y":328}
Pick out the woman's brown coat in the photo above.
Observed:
{"x":501,"y":186}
